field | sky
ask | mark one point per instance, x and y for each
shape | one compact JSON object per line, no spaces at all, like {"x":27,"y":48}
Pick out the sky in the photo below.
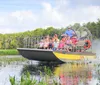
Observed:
{"x":24,"y":15}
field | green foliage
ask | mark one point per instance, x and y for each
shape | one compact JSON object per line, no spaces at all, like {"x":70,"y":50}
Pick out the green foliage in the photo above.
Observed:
{"x":13,"y":44}
{"x":15,"y":40}
{"x":38,"y":32}
{"x":27,"y":79}
{"x":48,"y":71}
{"x":8,"y":52}
{"x":4,"y":60}
{"x":76,"y":26}
{"x":12,"y":80}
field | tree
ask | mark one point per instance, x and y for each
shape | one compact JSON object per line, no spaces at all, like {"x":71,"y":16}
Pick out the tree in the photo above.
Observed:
{"x":49,"y":31}
{"x":38,"y":32}
{"x":76,"y":26}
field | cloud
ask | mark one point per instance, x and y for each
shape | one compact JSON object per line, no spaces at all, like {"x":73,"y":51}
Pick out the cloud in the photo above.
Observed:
{"x":63,"y":15}
{"x":51,"y":14}
{"x":58,"y":14}
{"x":82,"y":14}
{"x":17,"y":21}
{"x":23,"y":15}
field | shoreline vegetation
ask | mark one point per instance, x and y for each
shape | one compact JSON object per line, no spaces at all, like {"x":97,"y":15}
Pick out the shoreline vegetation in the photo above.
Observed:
{"x":9,"y":52}
{"x":29,"y":39}
{"x":25,"y":39}
{"x":4,"y":61}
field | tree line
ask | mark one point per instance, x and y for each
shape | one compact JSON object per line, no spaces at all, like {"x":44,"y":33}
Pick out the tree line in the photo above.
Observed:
{"x":29,"y":38}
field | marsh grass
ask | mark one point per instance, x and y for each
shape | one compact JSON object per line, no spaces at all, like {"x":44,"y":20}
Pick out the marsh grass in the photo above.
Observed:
{"x":6,"y":60}
{"x":48,"y":71}
{"x":8,"y":52}
{"x":27,"y":79}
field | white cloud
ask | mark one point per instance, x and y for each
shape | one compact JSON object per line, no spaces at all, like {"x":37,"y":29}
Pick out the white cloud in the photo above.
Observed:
{"x":59,"y":15}
{"x":17,"y":21}
{"x":23,"y":15}
{"x":51,"y":14}
{"x":63,"y":15}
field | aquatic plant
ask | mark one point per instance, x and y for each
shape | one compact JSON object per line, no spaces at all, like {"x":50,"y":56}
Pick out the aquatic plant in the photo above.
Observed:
{"x":48,"y":71}
{"x":12,"y":80}
{"x":6,"y":60}
{"x":8,"y":52}
{"x":27,"y":79}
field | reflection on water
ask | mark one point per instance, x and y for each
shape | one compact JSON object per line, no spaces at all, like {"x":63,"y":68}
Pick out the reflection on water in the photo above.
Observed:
{"x":35,"y":69}
{"x":74,"y":74}
{"x":69,"y":73}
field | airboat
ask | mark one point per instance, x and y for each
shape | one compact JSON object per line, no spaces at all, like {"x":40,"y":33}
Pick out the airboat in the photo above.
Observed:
{"x":84,"y":43}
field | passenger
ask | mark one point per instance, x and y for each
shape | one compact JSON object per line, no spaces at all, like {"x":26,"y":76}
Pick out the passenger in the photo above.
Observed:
{"x":50,"y":43}
{"x":74,"y":43}
{"x":46,"y":43}
{"x":55,"y":37}
{"x":62,"y":43}
{"x":74,"y":40}
{"x":70,"y":32}
{"x":68,"y":44}
{"x":41,"y":44}
{"x":56,"y":44}
{"x":47,"y":37}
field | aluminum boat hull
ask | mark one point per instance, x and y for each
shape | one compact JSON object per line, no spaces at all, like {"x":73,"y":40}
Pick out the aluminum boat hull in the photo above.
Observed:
{"x":50,"y":55}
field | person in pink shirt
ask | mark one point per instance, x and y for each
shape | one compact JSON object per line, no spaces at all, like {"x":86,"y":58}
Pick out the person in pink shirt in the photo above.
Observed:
{"x":68,"y":43}
{"x":62,"y":43}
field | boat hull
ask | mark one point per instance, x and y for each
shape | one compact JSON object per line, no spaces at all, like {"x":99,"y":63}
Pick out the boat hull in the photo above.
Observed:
{"x":50,"y":55}
{"x":38,"y":54}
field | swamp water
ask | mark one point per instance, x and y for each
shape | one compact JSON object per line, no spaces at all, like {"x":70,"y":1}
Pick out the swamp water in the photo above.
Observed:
{"x":69,"y":73}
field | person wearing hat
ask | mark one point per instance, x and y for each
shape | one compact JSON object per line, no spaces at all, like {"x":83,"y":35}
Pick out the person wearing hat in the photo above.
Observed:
{"x":69,"y":32}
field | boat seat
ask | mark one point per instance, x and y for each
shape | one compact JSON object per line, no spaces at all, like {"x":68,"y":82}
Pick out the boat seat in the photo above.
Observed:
{"x":78,"y":46}
{"x":80,"y":43}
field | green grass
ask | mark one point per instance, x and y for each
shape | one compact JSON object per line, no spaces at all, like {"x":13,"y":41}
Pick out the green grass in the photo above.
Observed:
{"x":6,"y":60}
{"x":8,"y":52}
{"x":27,"y":79}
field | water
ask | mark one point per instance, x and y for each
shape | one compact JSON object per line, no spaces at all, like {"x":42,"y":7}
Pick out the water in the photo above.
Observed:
{"x":79,"y":73}
{"x":70,"y":73}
